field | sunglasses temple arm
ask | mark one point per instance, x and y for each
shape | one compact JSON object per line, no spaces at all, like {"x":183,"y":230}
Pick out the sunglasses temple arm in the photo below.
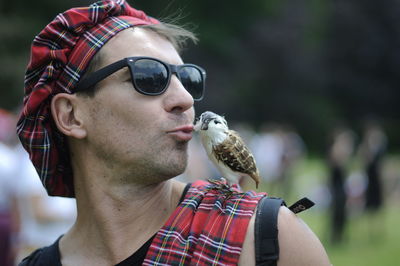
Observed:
{"x":99,"y":75}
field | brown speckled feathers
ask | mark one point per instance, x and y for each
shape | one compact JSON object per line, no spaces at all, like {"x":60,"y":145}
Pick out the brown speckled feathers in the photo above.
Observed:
{"x":234,"y":154}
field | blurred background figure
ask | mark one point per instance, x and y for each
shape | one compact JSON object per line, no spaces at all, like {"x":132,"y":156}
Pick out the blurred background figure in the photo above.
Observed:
{"x":276,"y":149}
{"x":43,"y":218}
{"x":339,"y":155}
{"x":268,"y":148}
{"x":372,"y":151}
{"x":294,"y":149}
{"x":9,"y":215}
{"x":28,"y":217}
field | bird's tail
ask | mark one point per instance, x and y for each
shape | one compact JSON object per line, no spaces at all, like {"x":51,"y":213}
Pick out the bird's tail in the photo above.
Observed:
{"x":256,"y":178}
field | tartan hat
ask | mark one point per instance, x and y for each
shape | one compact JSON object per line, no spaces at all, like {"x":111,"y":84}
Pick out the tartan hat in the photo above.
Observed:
{"x":60,"y":55}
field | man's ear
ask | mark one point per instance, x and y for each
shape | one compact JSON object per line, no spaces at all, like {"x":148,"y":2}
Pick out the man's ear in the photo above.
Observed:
{"x":65,"y":115}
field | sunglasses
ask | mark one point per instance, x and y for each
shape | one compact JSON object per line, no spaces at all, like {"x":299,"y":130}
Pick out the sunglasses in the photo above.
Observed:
{"x":151,"y":76}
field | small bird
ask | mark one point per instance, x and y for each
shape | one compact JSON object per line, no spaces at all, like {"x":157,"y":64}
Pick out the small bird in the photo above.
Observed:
{"x":225,"y":148}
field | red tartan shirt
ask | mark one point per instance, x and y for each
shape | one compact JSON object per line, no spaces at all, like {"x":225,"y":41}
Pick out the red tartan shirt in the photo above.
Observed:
{"x":208,"y":227}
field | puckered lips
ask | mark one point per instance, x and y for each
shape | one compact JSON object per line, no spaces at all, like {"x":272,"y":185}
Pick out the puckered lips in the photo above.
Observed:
{"x":182,"y":133}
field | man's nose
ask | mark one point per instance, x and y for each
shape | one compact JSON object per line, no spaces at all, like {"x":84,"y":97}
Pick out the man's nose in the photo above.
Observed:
{"x":177,"y":97}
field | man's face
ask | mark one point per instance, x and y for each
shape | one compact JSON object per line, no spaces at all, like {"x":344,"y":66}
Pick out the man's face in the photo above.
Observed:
{"x":138,"y":135}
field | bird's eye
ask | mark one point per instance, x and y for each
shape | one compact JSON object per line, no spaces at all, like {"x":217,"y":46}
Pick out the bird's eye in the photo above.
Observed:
{"x":216,"y":122}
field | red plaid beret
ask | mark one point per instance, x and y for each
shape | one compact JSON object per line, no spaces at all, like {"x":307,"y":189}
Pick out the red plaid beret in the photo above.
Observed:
{"x":60,"y":55}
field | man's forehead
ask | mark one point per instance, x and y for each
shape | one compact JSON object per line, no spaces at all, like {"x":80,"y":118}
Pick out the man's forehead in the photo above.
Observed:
{"x":138,"y":41}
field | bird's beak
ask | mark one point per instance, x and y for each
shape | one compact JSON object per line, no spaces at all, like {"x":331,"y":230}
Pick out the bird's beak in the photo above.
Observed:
{"x":205,"y":119}
{"x":204,"y":124}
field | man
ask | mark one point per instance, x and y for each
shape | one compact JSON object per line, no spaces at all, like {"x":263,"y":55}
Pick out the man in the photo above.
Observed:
{"x":108,"y":115}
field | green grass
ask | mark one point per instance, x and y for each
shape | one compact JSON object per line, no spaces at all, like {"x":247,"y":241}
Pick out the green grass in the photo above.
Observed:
{"x":369,"y":241}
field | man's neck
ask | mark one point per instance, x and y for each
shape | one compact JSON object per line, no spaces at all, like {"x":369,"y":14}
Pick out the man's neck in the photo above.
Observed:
{"x":113,"y":223}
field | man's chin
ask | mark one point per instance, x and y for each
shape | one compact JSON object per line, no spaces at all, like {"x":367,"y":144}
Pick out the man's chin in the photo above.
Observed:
{"x":178,"y":170}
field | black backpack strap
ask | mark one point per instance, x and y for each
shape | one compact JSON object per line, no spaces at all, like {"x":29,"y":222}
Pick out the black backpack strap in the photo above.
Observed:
{"x":266,"y":227}
{"x":266,"y":231}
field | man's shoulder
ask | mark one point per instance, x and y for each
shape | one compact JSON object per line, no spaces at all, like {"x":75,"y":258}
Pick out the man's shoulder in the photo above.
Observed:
{"x":298,"y":245}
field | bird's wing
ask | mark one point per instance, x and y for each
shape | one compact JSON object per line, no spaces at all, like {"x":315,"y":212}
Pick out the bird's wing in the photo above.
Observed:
{"x":235,"y":155}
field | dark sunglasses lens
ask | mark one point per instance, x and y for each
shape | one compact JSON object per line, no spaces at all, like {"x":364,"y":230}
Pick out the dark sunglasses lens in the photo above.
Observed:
{"x":192,"y":80}
{"x":150,"y":76}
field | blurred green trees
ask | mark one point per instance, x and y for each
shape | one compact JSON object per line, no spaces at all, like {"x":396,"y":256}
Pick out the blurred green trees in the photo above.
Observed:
{"x":307,"y":63}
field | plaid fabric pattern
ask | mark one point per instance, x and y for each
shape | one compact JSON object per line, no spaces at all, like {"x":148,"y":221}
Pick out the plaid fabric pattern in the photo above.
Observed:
{"x":207,"y":228}
{"x":60,"y":55}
